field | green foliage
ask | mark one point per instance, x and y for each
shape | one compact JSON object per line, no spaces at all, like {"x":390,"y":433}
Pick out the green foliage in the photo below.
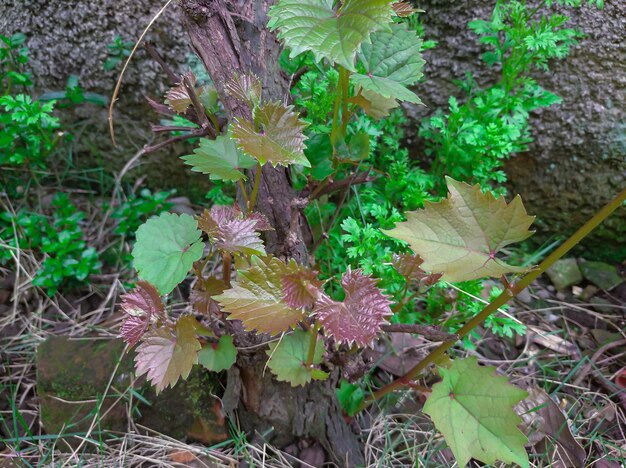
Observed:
{"x":13,"y":57}
{"x":218,"y":356}
{"x":355,"y":183}
{"x":472,"y":139}
{"x":132,"y":213}
{"x":28,"y":130}
{"x":117,"y":51}
{"x":59,"y":240}
{"x":472,"y":405}
{"x":220,"y":158}
{"x":350,"y":396}
{"x":391,"y":63}
{"x":73,"y":95}
{"x":335,"y":35}
{"x":165,"y":250}
{"x":288,"y":359}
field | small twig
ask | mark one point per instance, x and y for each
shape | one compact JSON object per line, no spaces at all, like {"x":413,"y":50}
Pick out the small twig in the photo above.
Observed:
{"x":297,"y":75}
{"x":584,"y":370}
{"x":160,"y":108}
{"x":314,"y":331}
{"x":255,"y":188}
{"x":324,"y":235}
{"x":149,"y":46}
{"x":199,"y":108}
{"x":187,"y":136}
{"x":429,"y":332}
{"x":226,"y":266}
{"x":118,"y":85}
{"x":171,"y":128}
{"x":361,"y":178}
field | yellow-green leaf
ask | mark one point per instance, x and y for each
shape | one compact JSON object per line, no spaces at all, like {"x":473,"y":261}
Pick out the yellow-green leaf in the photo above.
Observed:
{"x":461,"y":235}
{"x":473,"y":409}
{"x":257,"y":298}
{"x":275,"y":136}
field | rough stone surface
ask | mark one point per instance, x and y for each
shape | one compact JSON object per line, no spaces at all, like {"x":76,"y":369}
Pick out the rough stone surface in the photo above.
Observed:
{"x":578,"y":159}
{"x":565,"y":273}
{"x":67,"y":38}
{"x":66,"y":374}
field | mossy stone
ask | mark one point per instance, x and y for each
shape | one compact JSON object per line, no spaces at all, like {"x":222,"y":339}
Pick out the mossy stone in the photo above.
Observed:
{"x":601,"y":274}
{"x":565,"y":273}
{"x":73,"y":374}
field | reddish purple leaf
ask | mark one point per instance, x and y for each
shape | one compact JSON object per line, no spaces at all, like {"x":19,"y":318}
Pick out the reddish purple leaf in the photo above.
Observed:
{"x":361,"y":314}
{"x":142,"y":306}
{"x":302,"y":287}
{"x":177,"y":98}
{"x":232,"y":232}
{"x":409,"y":266}
{"x":166,"y":355}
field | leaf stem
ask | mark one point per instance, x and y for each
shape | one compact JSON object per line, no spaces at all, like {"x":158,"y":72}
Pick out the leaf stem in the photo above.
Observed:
{"x":314,"y":330}
{"x":227,"y":261}
{"x":499,"y":301}
{"x":341,"y":101}
{"x":255,"y":189}
{"x":244,"y":194}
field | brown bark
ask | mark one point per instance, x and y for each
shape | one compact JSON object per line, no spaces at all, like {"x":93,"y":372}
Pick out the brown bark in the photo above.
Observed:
{"x":230,"y":37}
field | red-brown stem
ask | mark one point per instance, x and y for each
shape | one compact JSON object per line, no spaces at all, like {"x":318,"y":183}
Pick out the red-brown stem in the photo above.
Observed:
{"x":227,"y":260}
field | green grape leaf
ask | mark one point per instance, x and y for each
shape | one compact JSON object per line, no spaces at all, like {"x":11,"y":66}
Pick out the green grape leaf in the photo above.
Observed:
{"x":257,"y":297}
{"x":392,"y":61}
{"x":473,"y":409}
{"x":219,"y":356}
{"x":460,"y":235}
{"x":276,"y":136}
{"x":288,"y":358}
{"x":165,"y":250}
{"x":350,"y":396}
{"x":220,"y":158}
{"x":334,"y":35}
{"x":165,"y":355}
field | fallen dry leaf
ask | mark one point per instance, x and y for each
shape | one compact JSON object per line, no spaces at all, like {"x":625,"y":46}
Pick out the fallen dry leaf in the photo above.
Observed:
{"x":553,"y":342}
{"x":547,"y":428}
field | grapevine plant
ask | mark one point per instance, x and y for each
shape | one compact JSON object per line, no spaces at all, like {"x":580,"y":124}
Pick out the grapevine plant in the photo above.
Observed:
{"x":240,"y":288}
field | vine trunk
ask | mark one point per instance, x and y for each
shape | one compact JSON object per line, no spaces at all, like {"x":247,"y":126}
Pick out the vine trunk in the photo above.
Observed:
{"x":231,"y":37}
